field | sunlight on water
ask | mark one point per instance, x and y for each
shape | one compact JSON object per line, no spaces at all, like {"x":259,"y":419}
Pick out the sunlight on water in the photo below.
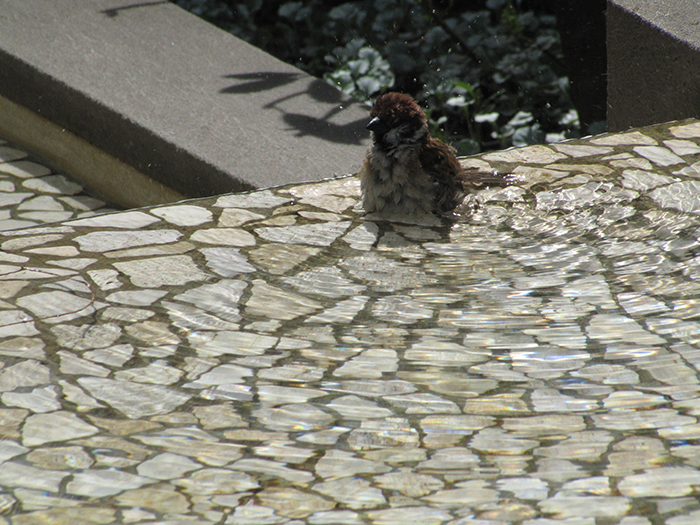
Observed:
{"x":512,"y":314}
{"x":292,"y":360}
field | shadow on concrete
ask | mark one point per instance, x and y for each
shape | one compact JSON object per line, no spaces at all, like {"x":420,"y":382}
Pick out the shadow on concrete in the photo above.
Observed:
{"x":319,"y":91}
{"x":350,"y":133}
{"x":114,"y":12}
{"x":261,"y":81}
{"x":306,"y":125}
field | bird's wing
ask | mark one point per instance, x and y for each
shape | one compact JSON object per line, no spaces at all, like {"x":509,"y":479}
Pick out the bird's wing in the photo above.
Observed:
{"x":440,"y":163}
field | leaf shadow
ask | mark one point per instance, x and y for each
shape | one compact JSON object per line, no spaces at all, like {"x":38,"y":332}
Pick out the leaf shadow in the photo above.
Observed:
{"x":114,"y":11}
{"x":305,"y":125}
{"x":259,"y":81}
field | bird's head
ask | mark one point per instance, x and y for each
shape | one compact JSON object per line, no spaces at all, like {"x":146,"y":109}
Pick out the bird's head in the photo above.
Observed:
{"x":396,"y":121}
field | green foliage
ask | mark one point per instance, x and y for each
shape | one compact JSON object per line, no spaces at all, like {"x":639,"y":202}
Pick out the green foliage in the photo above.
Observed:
{"x":489,"y":75}
{"x":360,"y":71}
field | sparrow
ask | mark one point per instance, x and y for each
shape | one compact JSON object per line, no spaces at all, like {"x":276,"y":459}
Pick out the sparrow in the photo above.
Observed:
{"x":407,"y":170}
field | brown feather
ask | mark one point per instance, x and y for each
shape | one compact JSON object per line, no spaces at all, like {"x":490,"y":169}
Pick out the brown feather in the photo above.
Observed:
{"x":407,"y":170}
{"x":440,"y":162}
{"x":394,"y":105}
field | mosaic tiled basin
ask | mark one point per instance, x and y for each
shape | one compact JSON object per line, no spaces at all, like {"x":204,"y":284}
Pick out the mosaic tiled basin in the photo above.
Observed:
{"x":277,"y":357}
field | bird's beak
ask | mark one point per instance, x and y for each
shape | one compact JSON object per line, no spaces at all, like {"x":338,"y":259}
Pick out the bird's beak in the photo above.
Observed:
{"x":376,"y":125}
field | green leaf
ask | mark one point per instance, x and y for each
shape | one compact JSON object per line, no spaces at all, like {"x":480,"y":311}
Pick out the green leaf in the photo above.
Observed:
{"x":289,"y":10}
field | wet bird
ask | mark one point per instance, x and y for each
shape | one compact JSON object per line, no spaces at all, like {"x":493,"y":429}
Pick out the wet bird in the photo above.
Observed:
{"x":407,"y":170}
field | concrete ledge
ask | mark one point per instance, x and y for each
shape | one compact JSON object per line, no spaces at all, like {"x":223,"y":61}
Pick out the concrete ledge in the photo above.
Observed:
{"x":105,"y":175}
{"x":653,"y":62}
{"x":175,"y":98}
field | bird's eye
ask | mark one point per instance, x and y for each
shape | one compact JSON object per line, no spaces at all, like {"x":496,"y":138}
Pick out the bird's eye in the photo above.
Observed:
{"x":395,"y":122}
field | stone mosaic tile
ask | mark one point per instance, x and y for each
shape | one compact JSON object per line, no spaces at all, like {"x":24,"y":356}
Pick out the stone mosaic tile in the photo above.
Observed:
{"x":32,"y":194}
{"x":278,"y":357}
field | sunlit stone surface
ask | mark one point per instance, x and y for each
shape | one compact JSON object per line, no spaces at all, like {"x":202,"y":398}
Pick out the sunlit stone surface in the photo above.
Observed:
{"x":32,"y":195}
{"x":277,"y":357}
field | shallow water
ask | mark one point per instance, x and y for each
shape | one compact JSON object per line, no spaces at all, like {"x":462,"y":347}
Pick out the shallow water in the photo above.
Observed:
{"x":277,"y":357}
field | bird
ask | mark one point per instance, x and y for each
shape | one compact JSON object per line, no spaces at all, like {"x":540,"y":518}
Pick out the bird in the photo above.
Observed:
{"x":407,"y":170}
